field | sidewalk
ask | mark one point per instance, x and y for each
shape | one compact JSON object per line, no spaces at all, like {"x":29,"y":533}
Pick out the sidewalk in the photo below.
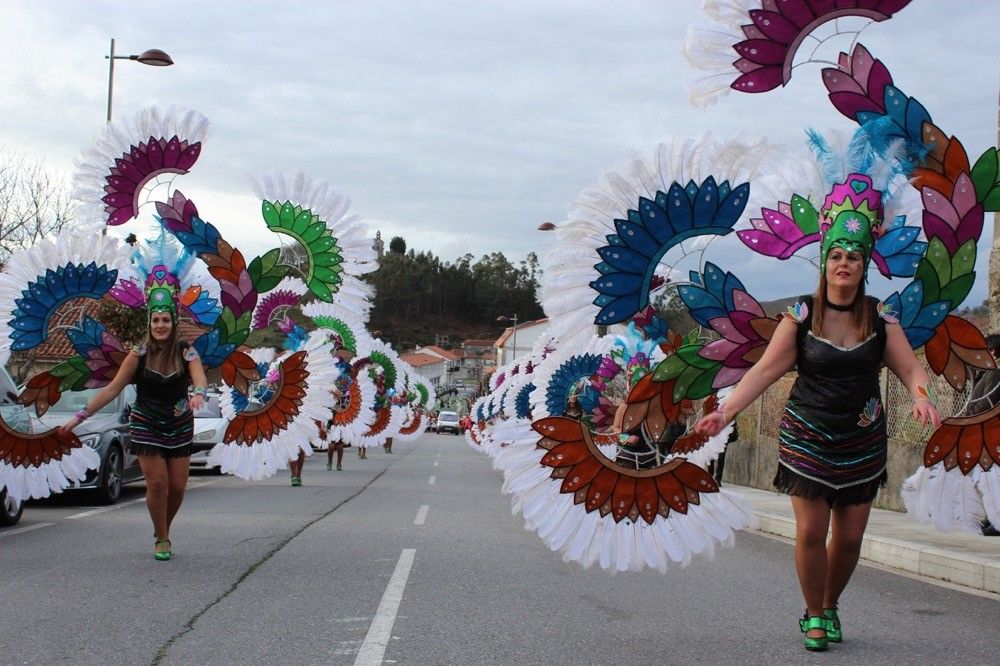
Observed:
{"x":895,"y":540}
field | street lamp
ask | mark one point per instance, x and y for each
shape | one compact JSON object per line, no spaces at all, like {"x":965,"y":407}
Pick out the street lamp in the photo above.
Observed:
{"x":513,"y":318}
{"x":154,"y":57}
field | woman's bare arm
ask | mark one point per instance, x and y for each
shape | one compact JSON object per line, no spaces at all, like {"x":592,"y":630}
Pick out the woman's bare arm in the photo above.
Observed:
{"x":903,"y":363}
{"x":122,"y":378}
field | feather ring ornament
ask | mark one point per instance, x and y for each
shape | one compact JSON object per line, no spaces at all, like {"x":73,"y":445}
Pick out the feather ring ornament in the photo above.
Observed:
{"x":596,"y":512}
{"x":129,"y":155}
{"x":618,"y":232}
{"x":337,"y":250}
{"x":263,"y":436}
{"x":765,"y":36}
{"x":36,"y":283}
{"x":33,"y":466}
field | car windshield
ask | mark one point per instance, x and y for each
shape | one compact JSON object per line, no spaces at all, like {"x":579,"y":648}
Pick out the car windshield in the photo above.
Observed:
{"x":74,"y":401}
{"x":448,"y":416}
{"x":210,"y":410}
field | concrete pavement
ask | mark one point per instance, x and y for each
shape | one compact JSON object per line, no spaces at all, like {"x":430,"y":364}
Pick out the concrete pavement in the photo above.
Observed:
{"x":895,"y":540}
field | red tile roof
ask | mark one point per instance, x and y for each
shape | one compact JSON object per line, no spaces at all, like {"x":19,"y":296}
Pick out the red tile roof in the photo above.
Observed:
{"x":420,"y":359}
{"x":448,"y":355}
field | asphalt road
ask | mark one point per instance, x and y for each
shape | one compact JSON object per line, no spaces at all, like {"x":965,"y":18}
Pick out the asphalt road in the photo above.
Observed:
{"x":415,"y":558}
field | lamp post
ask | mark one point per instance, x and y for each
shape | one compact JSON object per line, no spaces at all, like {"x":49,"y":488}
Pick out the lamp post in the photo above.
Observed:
{"x":513,"y":318}
{"x":154,"y":57}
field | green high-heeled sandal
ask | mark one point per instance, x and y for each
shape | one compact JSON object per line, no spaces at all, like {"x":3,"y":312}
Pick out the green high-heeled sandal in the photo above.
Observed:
{"x":809,"y":623}
{"x":161,"y":550}
{"x":833,"y":632}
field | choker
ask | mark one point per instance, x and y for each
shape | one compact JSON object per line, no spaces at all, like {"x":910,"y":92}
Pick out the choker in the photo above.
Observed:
{"x":839,"y":308}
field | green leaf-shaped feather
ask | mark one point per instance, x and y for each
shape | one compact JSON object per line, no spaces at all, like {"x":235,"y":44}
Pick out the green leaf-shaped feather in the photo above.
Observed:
{"x":964,"y":260}
{"x":984,"y":175}
{"x":271,"y":216}
{"x":937,"y":255}
{"x":957,"y":290}
{"x":805,"y":215}
{"x":932,"y":287}
{"x":669,"y":368}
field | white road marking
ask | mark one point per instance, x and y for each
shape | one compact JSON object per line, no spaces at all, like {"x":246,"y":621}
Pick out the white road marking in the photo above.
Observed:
{"x":94,"y":512}
{"x":421,"y":514}
{"x":435,"y":463}
{"x":28,"y":528}
{"x":432,"y":480}
{"x":373,"y":648}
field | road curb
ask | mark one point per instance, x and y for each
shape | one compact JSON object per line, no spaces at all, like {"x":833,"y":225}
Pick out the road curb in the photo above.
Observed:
{"x":969,"y":571}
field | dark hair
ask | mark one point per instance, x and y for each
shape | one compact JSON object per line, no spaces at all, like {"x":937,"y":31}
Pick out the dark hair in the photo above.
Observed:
{"x":164,"y":357}
{"x":861,"y":312}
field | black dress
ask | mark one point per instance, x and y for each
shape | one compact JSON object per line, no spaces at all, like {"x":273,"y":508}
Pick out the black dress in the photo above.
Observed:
{"x":832,"y":441}
{"x":161,"y":420}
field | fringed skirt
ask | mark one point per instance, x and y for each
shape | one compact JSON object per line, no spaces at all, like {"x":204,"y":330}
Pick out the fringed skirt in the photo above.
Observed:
{"x":154,"y":434}
{"x":840,"y":458}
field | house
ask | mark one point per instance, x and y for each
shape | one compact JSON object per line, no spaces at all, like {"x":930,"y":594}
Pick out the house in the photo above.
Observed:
{"x":476,"y":356}
{"x":517,"y":341}
{"x":431,"y":367}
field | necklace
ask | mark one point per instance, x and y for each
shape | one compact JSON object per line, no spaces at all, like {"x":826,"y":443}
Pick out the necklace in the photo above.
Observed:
{"x":839,"y":308}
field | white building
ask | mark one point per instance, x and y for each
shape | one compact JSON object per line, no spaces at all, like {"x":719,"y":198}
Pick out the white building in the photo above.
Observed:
{"x":516,"y":342}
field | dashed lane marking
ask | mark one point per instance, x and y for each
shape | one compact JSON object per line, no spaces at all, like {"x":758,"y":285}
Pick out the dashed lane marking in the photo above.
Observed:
{"x":421,"y":514}
{"x":432,"y":480}
{"x":372,"y":649}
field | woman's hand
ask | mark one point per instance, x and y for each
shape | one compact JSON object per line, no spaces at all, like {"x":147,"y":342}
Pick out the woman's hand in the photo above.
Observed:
{"x":66,"y":428}
{"x":196,"y":402}
{"x":925,"y":412}
{"x":710,"y":425}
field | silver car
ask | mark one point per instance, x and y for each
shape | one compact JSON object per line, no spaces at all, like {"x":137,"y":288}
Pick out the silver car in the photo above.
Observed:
{"x":107,"y":432}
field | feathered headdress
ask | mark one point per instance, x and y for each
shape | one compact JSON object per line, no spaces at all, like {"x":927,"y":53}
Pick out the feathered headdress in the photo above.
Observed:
{"x":851,"y":217}
{"x":161,"y":291}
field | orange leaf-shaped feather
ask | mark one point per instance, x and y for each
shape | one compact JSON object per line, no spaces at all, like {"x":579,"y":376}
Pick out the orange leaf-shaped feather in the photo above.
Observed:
{"x":601,"y":488}
{"x":696,"y":478}
{"x":646,"y":498}
{"x":558,"y":427}
{"x":672,"y":492}
{"x":623,"y":497}
{"x":580,"y":475}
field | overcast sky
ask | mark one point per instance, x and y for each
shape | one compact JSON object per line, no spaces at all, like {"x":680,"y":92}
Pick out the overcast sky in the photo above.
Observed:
{"x":458,"y":125}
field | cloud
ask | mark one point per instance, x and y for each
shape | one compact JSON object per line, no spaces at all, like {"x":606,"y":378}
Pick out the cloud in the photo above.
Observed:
{"x":460,"y":126}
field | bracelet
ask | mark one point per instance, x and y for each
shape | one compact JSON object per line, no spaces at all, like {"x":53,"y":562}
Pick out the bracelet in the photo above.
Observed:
{"x":200,"y":390}
{"x":81,"y":415}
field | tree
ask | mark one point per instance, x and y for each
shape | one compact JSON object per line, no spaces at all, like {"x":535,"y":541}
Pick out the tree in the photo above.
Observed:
{"x":33,"y":203}
{"x":397,"y":245}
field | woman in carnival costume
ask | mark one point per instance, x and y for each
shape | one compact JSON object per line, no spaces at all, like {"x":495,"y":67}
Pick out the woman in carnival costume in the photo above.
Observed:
{"x":161,"y":421}
{"x":833,"y":440}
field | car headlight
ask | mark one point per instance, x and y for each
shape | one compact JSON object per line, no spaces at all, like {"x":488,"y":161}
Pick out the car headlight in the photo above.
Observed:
{"x":93,"y":441}
{"x":205,"y":436}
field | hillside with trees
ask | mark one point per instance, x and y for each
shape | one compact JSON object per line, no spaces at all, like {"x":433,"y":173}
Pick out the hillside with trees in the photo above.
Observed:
{"x":418,"y":296}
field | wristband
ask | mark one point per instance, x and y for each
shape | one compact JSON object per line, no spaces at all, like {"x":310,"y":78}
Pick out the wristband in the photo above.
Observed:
{"x":81,"y":415}
{"x":200,"y":390}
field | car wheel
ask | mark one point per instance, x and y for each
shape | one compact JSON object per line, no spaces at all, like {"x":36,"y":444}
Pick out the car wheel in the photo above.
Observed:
{"x":10,"y":510}
{"x":109,"y":481}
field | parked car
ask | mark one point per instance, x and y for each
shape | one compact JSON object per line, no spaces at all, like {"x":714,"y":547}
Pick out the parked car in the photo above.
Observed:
{"x":107,"y":432}
{"x":447,"y":422}
{"x":209,"y":430}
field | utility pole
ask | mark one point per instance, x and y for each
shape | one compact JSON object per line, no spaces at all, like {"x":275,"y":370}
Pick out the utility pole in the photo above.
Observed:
{"x":993,"y":282}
